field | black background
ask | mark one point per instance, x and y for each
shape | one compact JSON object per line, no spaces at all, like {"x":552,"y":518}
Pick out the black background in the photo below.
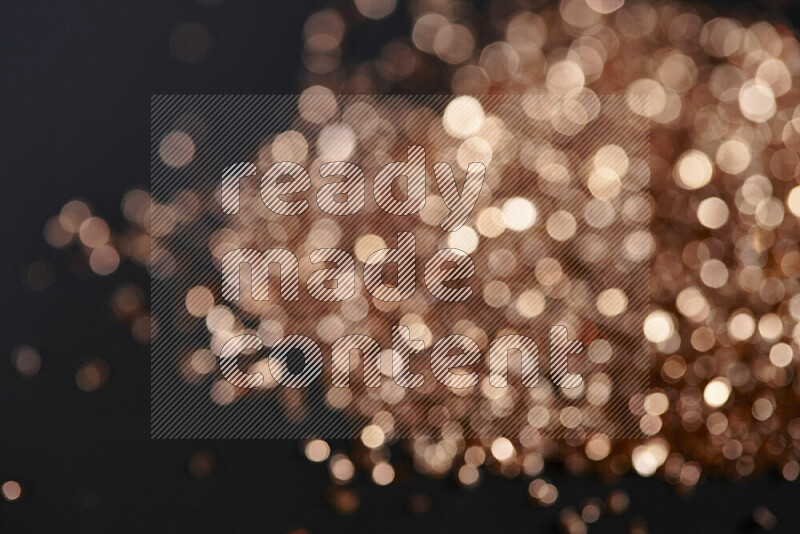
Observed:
{"x":75,"y":84}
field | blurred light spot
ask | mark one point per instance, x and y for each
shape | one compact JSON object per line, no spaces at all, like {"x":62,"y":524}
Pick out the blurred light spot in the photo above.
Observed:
{"x":519,"y":214}
{"x":26,"y":360}
{"x":716,"y":392}
{"x":177,"y":149}
{"x":375,"y":9}
{"x":465,"y":238}
{"x":11,"y":490}
{"x":317,"y":450}
{"x":92,"y":375}
{"x":191,"y":42}
{"x":694,"y":170}
{"x":463,"y":117}
{"x":712,"y":213}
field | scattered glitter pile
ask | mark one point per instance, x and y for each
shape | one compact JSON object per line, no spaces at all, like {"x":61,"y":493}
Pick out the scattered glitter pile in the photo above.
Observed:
{"x":725,"y":167}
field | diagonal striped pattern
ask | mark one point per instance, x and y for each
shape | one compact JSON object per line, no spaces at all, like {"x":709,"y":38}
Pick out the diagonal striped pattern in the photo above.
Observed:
{"x":461,"y":203}
{"x":413,"y":169}
{"x":449,"y":265}
{"x":312,"y":361}
{"x":259,"y":263}
{"x":231,"y":178}
{"x":528,"y":352}
{"x":404,"y":347}
{"x":229,"y":366}
{"x":225,"y":176}
{"x":342,"y":277}
{"x":273,"y":187}
{"x":352,"y":189}
{"x":444,"y":359}
{"x":404,"y":256}
{"x":364,"y":347}
{"x":561,"y":347}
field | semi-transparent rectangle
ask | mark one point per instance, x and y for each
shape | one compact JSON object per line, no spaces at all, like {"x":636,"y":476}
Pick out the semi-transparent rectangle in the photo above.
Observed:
{"x":557,"y":243}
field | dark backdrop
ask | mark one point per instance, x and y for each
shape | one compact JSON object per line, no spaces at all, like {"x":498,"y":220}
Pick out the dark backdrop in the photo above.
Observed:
{"x":75,"y":82}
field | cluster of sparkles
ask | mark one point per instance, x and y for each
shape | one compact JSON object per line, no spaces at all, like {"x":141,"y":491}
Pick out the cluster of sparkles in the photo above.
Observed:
{"x":724,"y":228}
{"x":725,"y":161}
{"x":519,"y":281}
